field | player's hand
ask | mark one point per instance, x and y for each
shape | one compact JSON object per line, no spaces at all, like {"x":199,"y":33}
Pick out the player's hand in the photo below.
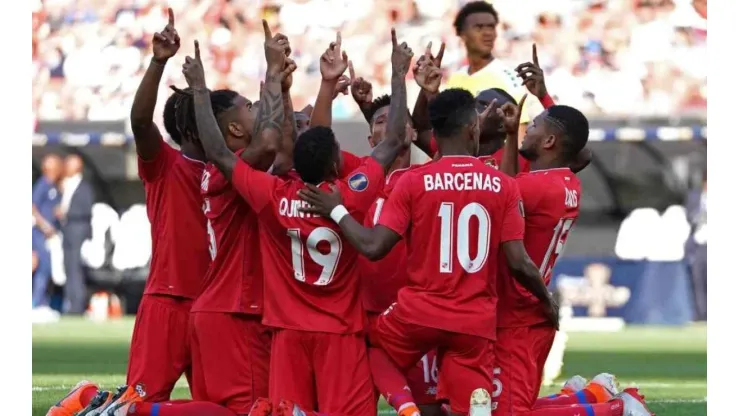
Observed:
{"x":342,"y":86}
{"x":491,"y":116}
{"x":511,"y":115}
{"x":400,"y":57}
{"x":322,"y":202}
{"x":553,"y":313}
{"x":193,"y":70}
{"x":166,"y":43}
{"x":362,"y":91}
{"x":334,"y":61}
{"x":287,"y":74}
{"x":277,"y":49}
{"x":427,"y":72}
{"x":532,"y":76}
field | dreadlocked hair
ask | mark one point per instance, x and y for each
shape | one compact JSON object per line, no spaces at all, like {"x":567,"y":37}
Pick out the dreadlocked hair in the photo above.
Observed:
{"x":184,"y":108}
{"x":170,"y":113}
{"x":573,"y":125}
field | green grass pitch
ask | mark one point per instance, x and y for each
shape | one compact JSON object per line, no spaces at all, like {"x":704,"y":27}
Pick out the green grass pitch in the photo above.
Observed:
{"x":669,"y":364}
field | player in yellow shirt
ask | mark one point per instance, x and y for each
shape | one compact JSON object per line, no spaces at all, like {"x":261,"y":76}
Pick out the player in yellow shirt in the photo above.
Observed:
{"x":475,"y":24}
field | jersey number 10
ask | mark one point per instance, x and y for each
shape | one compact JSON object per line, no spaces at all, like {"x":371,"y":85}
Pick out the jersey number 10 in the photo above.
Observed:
{"x":460,"y":239}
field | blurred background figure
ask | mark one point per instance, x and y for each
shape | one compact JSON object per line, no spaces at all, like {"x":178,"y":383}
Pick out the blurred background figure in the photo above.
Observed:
{"x":696,"y":248}
{"x":76,"y":213}
{"x":45,"y":204}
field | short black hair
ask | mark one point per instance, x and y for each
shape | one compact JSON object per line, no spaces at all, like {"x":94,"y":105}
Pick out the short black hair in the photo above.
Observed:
{"x":315,"y":151}
{"x":221,"y":100}
{"x":573,"y":125}
{"x":451,"y":111}
{"x":170,"y":120}
{"x":377,"y":104}
{"x":471,"y":8}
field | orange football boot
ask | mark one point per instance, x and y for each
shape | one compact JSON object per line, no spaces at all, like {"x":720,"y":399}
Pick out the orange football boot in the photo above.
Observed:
{"x":71,"y":403}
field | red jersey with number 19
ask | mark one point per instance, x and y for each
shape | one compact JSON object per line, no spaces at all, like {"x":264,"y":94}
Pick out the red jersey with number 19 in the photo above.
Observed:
{"x":456,"y":212}
{"x":551,"y":199}
{"x":173,"y":206}
{"x":310,"y":271}
{"x":233,"y":282}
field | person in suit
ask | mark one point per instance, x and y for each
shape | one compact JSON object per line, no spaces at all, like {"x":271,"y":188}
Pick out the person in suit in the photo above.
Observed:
{"x":45,"y":203}
{"x":76,"y":210}
{"x":696,"y":247}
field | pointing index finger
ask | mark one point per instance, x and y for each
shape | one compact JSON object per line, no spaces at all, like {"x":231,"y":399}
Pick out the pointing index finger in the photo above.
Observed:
{"x":338,"y":45}
{"x":394,"y":41}
{"x":440,"y":54}
{"x":170,"y":17}
{"x":266,"y":28}
{"x":534,"y":55}
{"x":197,"y":51}
{"x":428,"y":50}
{"x":351,"y":71}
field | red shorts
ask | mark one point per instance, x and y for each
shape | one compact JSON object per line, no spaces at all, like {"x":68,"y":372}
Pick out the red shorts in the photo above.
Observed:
{"x":231,"y":359}
{"x":160,"y":349}
{"x":520,"y":357}
{"x":323,"y":372}
{"x":422,"y":378}
{"x":465,"y":361}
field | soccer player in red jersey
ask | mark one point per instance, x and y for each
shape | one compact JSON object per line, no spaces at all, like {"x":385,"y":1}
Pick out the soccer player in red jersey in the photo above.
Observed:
{"x":318,"y":356}
{"x":455,"y":213}
{"x":551,"y":195}
{"x":159,"y":347}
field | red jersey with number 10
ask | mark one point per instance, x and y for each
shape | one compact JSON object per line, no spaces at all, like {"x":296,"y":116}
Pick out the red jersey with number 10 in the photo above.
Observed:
{"x":310,"y":270}
{"x":456,"y":212}
{"x":551,"y":199}
{"x":233,"y":282}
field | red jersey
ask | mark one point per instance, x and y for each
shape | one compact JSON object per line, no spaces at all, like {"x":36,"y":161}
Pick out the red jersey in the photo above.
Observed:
{"x":311,"y":272}
{"x":350,"y":163}
{"x":551,"y":199}
{"x":179,"y":242}
{"x":456,"y":211}
{"x":382,"y":279}
{"x":233,"y":282}
{"x":495,"y":160}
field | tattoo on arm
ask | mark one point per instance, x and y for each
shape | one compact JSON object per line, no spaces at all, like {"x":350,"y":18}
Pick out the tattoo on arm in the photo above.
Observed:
{"x":284,"y":158}
{"x":268,"y":126}
{"x":210,"y":135}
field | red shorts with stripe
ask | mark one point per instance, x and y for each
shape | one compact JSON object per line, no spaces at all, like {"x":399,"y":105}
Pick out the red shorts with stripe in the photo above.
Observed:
{"x":465,"y":361}
{"x":520,"y":359}
{"x":231,"y":359}
{"x":324,"y":372}
{"x":160,"y":349}
{"x":422,"y":378}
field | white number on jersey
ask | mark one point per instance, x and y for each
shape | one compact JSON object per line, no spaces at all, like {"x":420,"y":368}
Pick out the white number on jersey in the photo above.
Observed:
{"x":378,"y":208}
{"x":447,"y":241}
{"x":571,"y":198}
{"x":560,"y":235}
{"x":328,"y":261}
{"x":431,"y":373}
{"x":209,"y":228}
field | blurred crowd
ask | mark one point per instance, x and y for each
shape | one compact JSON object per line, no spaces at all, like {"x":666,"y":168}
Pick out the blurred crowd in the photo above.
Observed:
{"x":616,"y":57}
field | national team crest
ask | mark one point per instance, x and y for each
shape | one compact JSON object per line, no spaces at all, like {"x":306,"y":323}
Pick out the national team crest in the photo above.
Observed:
{"x":358,"y":182}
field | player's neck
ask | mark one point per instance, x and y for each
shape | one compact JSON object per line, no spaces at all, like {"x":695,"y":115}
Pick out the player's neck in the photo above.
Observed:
{"x":478,"y":62}
{"x":490,"y":147}
{"x":403,"y":161}
{"x":453,"y":149}
{"x":192,"y":151}
{"x":545,"y":163}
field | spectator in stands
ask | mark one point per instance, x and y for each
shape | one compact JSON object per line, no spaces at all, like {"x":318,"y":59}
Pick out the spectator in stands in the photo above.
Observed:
{"x":45,"y":204}
{"x":696,"y":247}
{"x":76,"y":209}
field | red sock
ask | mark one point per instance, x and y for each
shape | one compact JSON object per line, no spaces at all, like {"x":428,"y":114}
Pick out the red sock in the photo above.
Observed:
{"x":87,"y":394}
{"x":612,"y":408}
{"x":581,"y":397}
{"x":180,"y":408}
{"x":389,"y":380}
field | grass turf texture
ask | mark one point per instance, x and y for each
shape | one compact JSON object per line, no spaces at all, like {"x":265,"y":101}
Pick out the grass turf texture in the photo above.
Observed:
{"x":669,"y":364}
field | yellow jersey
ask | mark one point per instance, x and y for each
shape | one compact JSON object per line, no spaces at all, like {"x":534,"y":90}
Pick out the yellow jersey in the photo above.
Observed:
{"x":495,"y":75}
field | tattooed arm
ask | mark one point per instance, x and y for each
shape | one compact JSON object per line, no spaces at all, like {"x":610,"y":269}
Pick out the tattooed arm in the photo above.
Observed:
{"x":284,"y":159}
{"x":267,"y":133}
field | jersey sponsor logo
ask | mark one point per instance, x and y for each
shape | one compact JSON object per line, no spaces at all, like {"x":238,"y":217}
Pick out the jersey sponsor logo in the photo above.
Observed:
{"x":358,"y":182}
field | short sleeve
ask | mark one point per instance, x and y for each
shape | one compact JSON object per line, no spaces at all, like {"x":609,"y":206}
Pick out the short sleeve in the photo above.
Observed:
{"x":396,"y":213}
{"x":513,"y":224}
{"x":529,"y":192}
{"x":152,"y":170}
{"x":350,"y":162}
{"x":362,"y":185}
{"x":256,"y":187}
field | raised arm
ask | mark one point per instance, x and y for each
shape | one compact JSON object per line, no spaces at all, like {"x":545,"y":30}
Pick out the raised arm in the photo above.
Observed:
{"x":511,"y":115}
{"x":428,"y":76}
{"x":386,"y":152}
{"x":284,"y":159}
{"x":362,"y":93}
{"x":146,"y":134}
{"x":332,"y":65}
{"x":209,"y":133}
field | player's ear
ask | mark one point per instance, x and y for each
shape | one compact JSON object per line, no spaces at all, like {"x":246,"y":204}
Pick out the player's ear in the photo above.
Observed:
{"x":549,"y":141}
{"x":236,"y":129}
